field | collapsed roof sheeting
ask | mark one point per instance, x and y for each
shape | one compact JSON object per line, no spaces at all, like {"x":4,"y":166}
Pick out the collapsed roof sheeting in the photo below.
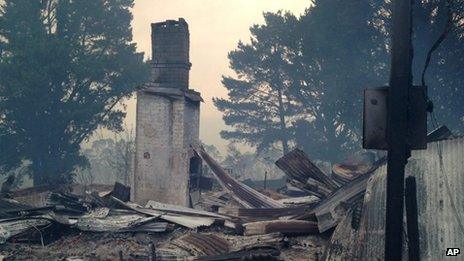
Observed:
{"x":114,"y":223}
{"x":10,"y":208}
{"x":203,"y":245}
{"x":13,"y":227}
{"x":246,"y":196}
{"x":297,"y":166}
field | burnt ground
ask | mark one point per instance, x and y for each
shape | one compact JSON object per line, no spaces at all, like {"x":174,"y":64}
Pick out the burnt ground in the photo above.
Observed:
{"x":107,"y":246}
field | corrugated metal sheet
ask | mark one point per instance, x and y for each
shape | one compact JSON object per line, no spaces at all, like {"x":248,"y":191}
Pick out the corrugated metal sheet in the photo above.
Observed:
{"x":439,"y":173}
{"x":203,"y":245}
{"x":297,"y":165}
{"x":343,"y":241}
{"x":243,"y":194}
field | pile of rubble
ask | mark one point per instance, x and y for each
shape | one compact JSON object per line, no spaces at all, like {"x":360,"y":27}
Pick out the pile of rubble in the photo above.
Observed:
{"x":235,"y":223}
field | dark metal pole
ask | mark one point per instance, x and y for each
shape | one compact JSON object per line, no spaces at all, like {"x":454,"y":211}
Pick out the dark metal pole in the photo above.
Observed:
{"x":152,"y":252}
{"x":397,"y":126}
{"x":265,"y":180}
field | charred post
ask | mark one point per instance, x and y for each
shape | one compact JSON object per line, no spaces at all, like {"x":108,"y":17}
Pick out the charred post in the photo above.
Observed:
{"x":397,"y":126}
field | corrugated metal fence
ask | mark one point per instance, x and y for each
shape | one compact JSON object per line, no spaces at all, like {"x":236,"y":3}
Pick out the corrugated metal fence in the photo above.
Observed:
{"x":439,"y":173}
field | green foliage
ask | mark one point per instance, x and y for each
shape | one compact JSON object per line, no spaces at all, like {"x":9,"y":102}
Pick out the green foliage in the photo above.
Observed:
{"x":259,"y":106}
{"x":343,"y":53}
{"x":64,"y":68}
{"x":322,"y":62}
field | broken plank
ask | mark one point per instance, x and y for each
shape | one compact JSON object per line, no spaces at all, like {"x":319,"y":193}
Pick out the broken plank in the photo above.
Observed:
{"x":260,"y":213}
{"x":287,"y":227}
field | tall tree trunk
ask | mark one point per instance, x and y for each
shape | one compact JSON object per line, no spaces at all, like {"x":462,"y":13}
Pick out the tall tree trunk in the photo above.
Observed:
{"x":39,"y":172}
{"x":283,"y":127}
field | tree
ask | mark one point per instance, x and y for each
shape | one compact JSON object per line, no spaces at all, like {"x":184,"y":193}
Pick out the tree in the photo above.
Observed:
{"x":348,"y":50}
{"x":212,"y":151}
{"x":110,"y":160}
{"x":65,"y":67}
{"x":343,"y":53}
{"x":439,"y":58}
{"x":318,"y":65}
{"x":329,"y":58}
{"x":248,"y":165}
{"x":258,"y":105}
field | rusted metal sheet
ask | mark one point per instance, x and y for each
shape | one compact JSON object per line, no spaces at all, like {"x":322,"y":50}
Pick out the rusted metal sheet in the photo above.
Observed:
{"x":439,"y":173}
{"x":203,"y":244}
{"x":297,"y":166}
{"x":245,"y":195}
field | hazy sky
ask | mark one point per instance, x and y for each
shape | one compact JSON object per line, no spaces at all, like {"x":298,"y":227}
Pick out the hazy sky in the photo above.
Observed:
{"x":215,"y":26}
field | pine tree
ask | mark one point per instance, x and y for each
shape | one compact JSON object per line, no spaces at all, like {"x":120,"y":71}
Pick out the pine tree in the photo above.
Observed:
{"x":258,"y":105}
{"x":65,"y":66}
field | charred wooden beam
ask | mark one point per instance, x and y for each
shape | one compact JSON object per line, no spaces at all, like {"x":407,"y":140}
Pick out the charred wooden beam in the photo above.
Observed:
{"x":287,"y":227}
{"x":261,"y":213}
